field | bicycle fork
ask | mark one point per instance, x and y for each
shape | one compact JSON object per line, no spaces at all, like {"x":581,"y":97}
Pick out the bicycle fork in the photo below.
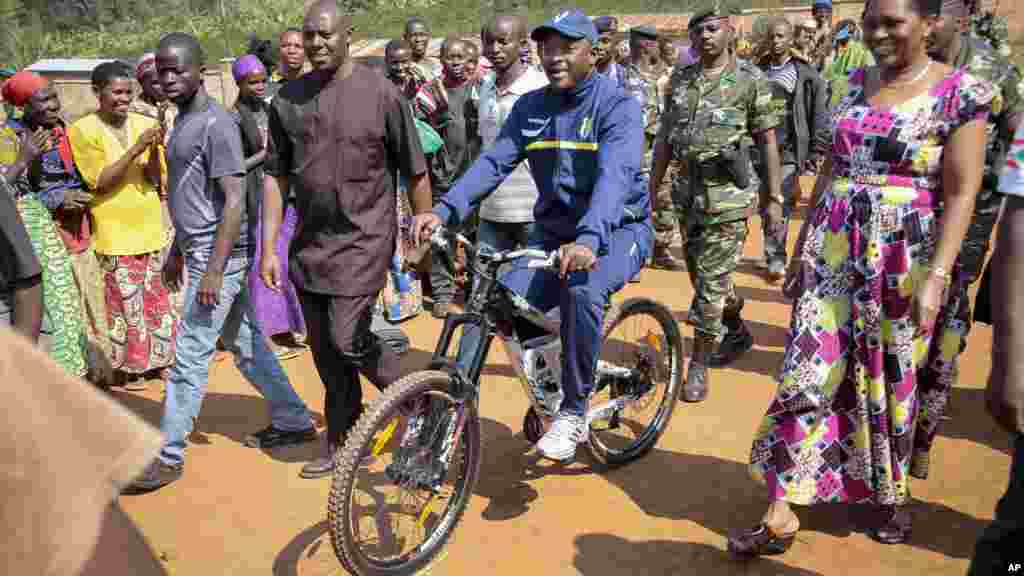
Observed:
{"x":423,"y":462}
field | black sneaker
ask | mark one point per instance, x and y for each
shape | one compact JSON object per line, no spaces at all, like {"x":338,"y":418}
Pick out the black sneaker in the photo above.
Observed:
{"x":271,"y":437}
{"x":155,"y":476}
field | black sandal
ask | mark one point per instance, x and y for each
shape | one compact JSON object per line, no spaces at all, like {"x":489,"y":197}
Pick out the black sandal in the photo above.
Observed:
{"x":893,"y":526}
{"x":760,"y":541}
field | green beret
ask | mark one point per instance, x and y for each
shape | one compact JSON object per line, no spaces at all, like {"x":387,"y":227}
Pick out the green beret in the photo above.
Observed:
{"x":644,"y":31}
{"x":713,"y":9}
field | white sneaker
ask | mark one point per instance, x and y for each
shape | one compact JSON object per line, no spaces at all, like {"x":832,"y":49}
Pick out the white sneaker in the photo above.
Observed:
{"x":560,"y":441}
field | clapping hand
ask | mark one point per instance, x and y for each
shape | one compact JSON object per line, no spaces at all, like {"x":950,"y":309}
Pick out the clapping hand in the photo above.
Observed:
{"x":35,"y":143}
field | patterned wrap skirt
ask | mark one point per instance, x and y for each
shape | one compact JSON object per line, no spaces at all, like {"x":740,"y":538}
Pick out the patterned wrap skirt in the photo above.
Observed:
{"x":62,"y":304}
{"x":143,"y":322}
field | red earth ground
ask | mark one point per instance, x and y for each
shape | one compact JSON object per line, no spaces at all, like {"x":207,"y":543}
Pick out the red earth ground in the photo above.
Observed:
{"x":242,"y":511}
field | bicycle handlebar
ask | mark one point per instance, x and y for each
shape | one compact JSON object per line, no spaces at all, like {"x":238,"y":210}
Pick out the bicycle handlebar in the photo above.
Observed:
{"x":440,"y":236}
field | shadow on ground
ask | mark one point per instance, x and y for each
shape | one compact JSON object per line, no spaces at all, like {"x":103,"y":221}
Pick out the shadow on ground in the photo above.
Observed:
{"x":769,"y":294}
{"x":506,"y":466}
{"x":969,"y":421}
{"x":415,"y":360}
{"x":712,"y":492}
{"x":719,"y":495}
{"x":752,"y":266}
{"x":765,"y":334}
{"x":757,"y":360}
{"x":121,"y":544}
{"x":509,"y":461}
{"x":304,"y":548}
{"x":605,"y":554}
{"x":233,"y":416}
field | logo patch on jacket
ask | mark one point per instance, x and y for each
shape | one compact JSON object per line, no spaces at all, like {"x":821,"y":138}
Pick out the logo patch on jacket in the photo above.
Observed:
{"x":585,"y":127}
{"x":541,"y":124}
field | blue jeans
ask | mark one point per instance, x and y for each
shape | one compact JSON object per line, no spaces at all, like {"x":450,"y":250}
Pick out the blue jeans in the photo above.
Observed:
{"x":499,"y":236}
{"x":1000,"y":545}
{"x":232,"y":321}
{"x":582,"y":298}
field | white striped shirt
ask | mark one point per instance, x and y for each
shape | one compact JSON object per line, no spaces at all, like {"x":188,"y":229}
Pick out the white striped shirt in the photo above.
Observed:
{"x":514,"y":200}
{"x":784,"y":76}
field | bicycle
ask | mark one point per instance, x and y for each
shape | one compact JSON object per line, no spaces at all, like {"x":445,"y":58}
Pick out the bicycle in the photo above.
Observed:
{"x":436,"y":411}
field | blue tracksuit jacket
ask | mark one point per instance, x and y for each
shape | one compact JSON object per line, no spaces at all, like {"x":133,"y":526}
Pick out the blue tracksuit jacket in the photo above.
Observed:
{"x":585,"y":149}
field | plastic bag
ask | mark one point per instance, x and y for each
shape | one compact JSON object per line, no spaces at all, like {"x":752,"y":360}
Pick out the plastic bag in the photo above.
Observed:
{"x":430,"y":140}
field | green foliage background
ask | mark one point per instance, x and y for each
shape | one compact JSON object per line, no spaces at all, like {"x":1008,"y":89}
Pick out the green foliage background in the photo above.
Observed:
{"x":33,"y":29}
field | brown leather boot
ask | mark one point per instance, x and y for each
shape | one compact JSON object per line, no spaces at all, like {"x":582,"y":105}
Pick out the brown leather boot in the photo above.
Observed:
{"x":665,"y":260}
{"x":737,"y":341}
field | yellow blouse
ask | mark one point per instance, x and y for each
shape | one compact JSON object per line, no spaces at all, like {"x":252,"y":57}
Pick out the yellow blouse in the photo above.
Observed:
{"x":127,"y":221}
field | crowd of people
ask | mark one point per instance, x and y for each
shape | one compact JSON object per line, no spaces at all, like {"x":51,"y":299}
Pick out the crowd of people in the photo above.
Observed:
{"x":145,"y":236}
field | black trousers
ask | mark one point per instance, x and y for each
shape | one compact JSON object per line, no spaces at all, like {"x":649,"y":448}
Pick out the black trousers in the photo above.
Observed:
{"x":343,"y":347}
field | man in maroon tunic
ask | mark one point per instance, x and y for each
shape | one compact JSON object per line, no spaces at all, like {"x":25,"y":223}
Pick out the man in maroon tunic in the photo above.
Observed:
{"x":337,"y":136}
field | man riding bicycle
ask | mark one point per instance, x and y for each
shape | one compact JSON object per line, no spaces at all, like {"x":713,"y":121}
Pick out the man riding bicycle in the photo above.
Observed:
{"x":584,"y":140}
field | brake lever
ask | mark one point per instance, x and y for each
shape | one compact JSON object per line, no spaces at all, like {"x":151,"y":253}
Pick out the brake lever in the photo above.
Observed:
{"x":549,"y":263}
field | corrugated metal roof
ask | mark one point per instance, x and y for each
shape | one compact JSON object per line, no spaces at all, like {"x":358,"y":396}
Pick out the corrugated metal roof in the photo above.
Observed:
{"x":376,"y":46}
{"x":83,"y":65}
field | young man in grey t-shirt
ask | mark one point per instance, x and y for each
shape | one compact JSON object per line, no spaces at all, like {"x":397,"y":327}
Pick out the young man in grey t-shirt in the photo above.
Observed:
{"x":207,"y":205}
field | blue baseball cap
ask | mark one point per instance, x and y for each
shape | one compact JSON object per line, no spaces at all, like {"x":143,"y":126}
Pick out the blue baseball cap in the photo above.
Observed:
{"x":843,"y":34}
{"x":822,"y":4}
{"x":572,"y":24}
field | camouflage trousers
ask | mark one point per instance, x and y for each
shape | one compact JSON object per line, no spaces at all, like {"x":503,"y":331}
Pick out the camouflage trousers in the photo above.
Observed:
{"x":938,"y":376}
{"x":664,"y":215}
{"x":979,"y":233}
{"x":955,"y":320}
{"x":712,"y":252}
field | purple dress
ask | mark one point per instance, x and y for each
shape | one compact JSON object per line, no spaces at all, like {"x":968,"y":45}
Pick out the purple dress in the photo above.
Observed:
{"x":277,"y":312}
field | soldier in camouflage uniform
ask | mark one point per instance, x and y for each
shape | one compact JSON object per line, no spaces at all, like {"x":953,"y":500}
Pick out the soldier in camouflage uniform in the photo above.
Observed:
{"x":640,"y":79}
{"x":949,"y":44}
{"x":994,"y":30}
{"x":710,"y":107}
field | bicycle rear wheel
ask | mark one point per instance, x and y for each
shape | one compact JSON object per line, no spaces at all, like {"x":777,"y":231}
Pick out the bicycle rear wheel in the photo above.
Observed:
{"x":400,"y":446}
{"x":638,"y":378}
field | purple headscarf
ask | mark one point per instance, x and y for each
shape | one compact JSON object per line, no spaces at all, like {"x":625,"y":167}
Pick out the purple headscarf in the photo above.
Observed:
{"x":246,"y":65}
{"x":146,"y":63}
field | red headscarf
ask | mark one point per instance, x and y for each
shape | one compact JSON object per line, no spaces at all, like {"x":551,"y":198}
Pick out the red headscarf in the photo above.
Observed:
{"x":19,"y":88}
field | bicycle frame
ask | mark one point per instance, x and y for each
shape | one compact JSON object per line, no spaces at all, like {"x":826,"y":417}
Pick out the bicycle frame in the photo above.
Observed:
{"x":494,"y":309}
{"x":487,"y":310}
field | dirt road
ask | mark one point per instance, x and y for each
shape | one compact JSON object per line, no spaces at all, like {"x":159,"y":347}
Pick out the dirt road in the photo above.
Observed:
{"x":246,"y":512}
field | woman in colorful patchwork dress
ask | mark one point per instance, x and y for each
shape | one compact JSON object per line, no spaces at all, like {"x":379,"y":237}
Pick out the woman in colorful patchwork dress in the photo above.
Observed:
{"x":35,"y":158}
{"x":874,"y":264}
{"x":117,"y":153}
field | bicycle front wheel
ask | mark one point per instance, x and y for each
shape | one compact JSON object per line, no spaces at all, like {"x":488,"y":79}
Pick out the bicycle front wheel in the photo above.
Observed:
{"x":404,"y":477}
